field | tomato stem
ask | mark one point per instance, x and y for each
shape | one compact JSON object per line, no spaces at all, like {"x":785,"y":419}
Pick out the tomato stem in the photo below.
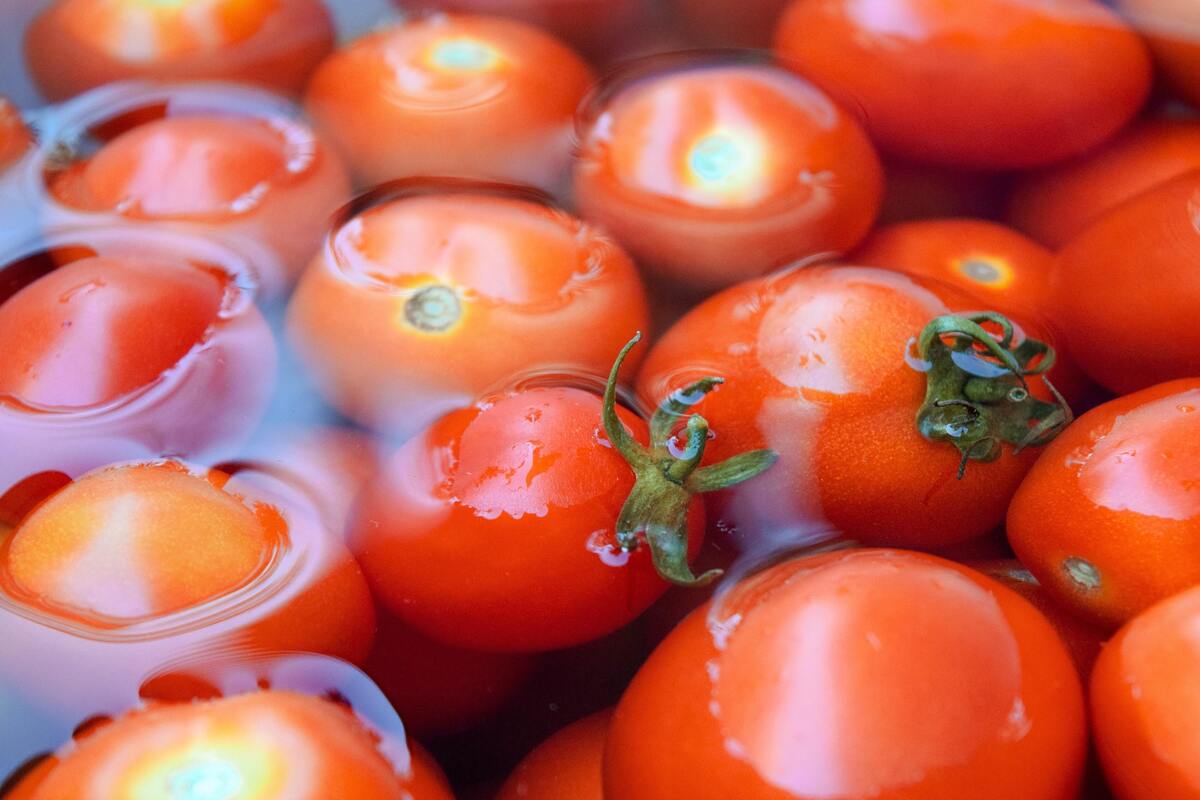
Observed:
{"x":977,"y":394}
{"x":668,"y":474}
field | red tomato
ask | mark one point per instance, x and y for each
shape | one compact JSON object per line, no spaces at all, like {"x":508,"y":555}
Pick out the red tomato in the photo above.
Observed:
{"x":421,"y":304}
{"x":721,"y":23}
{"x":263,"y":745}
{"x":567,"y":766}
{"x":717,"y":172}
{"x":75,"y":45}
{"x":869,"y":673}
{"x":1146,"y":704}
{"x":1172,"y":28}
{"x":964,"y":83}
{"x":1109,"y":517}
{"x":816,"y":369}
{"x":468,"y":96}
{"x":14,"y":136}
{"x":271,"y":181}
{"x":1055,"y":205}
{"x":1126,"y":289}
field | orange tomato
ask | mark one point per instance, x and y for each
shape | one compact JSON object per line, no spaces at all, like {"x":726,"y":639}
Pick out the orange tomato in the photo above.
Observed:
{"x":712,"y":173}
{"x":815,"y":368}
{"x":420,"y":304}
{"x":1126,"y":289}
{"x":1055,"y":205}
{"x":264,"y":745}
{"x":567,"y":766}
{"x":804,"y":682}
{"x":457,"y":95}
{"x":963,"y":82}
{"x":1109,"y":518}
{"x":14,"y":136}
{"x":1145,"y":703}
{"x":1172,"y":27}
{"x":272,"y":43}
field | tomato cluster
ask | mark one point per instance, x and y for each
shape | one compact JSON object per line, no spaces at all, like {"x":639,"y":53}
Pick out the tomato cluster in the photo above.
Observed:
{"x":817,"y":416}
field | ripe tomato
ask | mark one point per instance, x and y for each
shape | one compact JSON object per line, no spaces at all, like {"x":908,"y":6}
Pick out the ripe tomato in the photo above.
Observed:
{"x":805,"y":680}
{"x":711,"y":173}
{"x":567,"y":766}
{"x":1055,"y":205}
{"x":273,"y":43}
{"x":1172,"y":28}
{"x":270,"y":181}
{"x":963,"y":83}
{"x":420,"y":304}
{"x":458,"y":95}
{"x":1145,"y":703}
{"x":1127,"y":287}
{"x":720,"y":23}
{"x":1109,"y":519}
{"x":263,"y":745}
{"x":14,"y":136}
{"x":816,"y":369}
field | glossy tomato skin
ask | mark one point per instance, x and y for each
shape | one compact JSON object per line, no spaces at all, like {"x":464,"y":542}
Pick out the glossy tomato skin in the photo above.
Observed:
{"x":567,"y":766}
{"x":973,"y":92}
{"x":1056,"y":204}
{"x":870,"y":673}
{"x":716,"y":172}
{"x":482,"y":97}
{"x":1145,"y":706}
{"x":1170,"y":27}
{"x":271,"y":43}
{"x":495,"y":528}
{"x":1108,"y":520}
{"x":1126,"y":288}
{"x":420,"y":304}
{"x":815,"y":369}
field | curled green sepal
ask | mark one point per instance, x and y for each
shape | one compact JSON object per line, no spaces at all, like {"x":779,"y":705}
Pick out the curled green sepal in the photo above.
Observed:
{"x":977,"y":391}
{"x":668,"y":473}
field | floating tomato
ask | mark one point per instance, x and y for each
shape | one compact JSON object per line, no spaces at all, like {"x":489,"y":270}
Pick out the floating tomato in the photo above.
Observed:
{"x":567,"y":766}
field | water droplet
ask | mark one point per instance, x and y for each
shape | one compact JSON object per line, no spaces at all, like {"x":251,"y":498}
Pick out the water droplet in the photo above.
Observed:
{"x":601,"y":543}
{"x":913,"y":359}
{"x":1185,"y":408}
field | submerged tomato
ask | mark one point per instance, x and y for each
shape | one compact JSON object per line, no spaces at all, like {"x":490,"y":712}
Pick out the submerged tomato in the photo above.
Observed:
{"x":14,"y":136}
{"x":718,"y":172}
{"x":1172,"y":27}
{"x":588,"y":24}
{"x":963,"y":82}
{"x":567,"y":766}
{"x":457,"y":95}
{"x":1146,"y":704}
{"x":869,"y":673}
{"x":1109,"y":517}
{"x":75,"y":45}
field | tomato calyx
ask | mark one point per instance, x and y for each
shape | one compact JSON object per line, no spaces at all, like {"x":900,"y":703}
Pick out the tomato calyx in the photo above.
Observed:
{"x":668,"y":475}
{"x":977,"y":396}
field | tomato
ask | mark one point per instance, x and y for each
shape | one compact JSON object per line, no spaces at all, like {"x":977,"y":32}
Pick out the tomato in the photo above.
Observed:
{"x":1108,"y":519}
{"x":273,"y":43}
{"x":458,"y":95}
{"x":438,"y":689}
{"x":1126,"y":288}
{"x":1145,"y":703}
{"x":269,"y":180}
{"x":14,"y":136}
{"x":261,"y":745}
{"x":125,"y":356}
{"x":422,"y":303}
{"x":723,"y":24}
{"x":1171,"y":28}
{"x":711,"y":173}
{"x":805,"y":681}
{"x":963,"y":83}
{"x":816,"y":370}
{"x":1056,"y":204}
{"x":567,"y":766}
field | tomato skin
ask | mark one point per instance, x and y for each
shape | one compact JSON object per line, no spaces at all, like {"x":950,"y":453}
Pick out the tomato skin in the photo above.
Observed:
{"x":804,"y":683}
{"x":1145,"y":705}
{"x":567,"y":766}
{"x":1170,"y":29}
{"x":1055,"y":205}
{"x":1125,"y":331}
{"x":14,"y":136}
{"x":963,"y":67}
{"x":1116,"y":490}
{"x":508,"y":269}
{"x":507,"y":108}
{"x":495,"y":528}
{"x":815,"y":369}
{"x":787,"y":174}
{"x":272,"y":43}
